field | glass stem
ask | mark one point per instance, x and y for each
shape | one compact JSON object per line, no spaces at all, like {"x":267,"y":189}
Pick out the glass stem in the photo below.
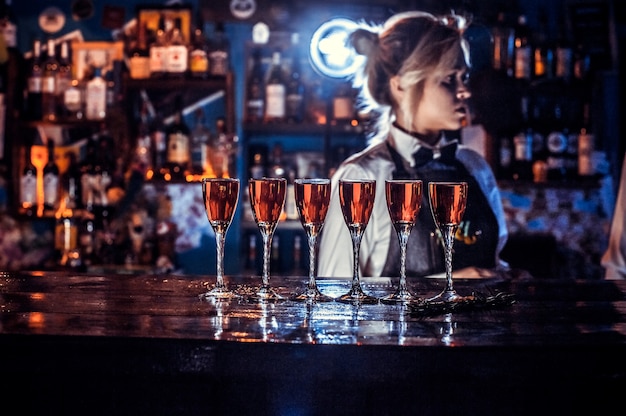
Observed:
{"x":448,"y":239}
{"x":312,"y":239}
{"x":267,"y":247}
{"x":404,"y":238}
{"x":219,"y":243}
{"x":356,"y":248}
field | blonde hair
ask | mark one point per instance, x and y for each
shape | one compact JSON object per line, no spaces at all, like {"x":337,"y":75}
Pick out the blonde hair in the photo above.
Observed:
{"x":410,"y":45}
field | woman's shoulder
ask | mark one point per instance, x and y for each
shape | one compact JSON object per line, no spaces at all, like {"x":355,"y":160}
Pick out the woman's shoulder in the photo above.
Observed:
{"x":369,"y":162}
{"x":467,"y":155}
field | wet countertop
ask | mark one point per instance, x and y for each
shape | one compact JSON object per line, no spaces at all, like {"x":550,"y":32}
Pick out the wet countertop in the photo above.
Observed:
{"x":145,"y":343}
{"x":168,"y":306}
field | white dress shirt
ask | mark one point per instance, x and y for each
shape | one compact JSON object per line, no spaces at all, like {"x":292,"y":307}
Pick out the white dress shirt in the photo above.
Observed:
{"x":335,"y":248}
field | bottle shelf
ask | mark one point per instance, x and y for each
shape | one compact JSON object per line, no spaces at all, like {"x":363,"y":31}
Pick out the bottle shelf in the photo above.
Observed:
{"x":172,"y":83}
{"x":302,"y":128}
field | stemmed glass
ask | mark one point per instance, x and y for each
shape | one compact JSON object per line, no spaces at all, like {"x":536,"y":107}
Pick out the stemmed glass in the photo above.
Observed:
{"x":312,"y":199}
{"x":404,"y":200}
{"x":447,"y":204}
{"x":220,"y":200}
{"x":356,"y":198}
{"x":267,"y":198}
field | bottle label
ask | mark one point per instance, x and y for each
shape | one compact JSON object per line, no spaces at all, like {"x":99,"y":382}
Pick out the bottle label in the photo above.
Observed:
{"x":198,"y":62}
{"x":275,"y":101}
{"x":557,"y":142}
{"x":35,"y":84}
{"x":96,"y":100}
{"x":523,"y":147}
{"x":48,"y":85}
{"x":178,"y":148}
{"x":585,"y":152}
{"x":158,"y":58}
{"x":522,"y":62}
{"x":51,"y":189}
{"x":563,"y":62}
{"x":28,"y":190}
{"x":72,"y":99}
{"x":177,"y":59}
{"x":139,"y":67}
{"x":219,"y":62}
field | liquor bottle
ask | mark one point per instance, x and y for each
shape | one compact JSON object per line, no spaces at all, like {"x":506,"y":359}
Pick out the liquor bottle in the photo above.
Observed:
{"x":277,"y":169}
{"x":557,"y":143}
{"x":523,"y":146}
{"x":503,"y":45}
{"x":257,"y":169}
{"x":66,"y":232}
{"x":586,"y":144}
{"x":523,"y":51}
{"x":198,"y":55}
{"x":255,"y":90}
{"x":159,"y":146}
{"x":51,"y":181}
{"x":87,"y":175}
{"x":63,"y":80}
{"x":200,"y":141}
{"x":177,"y":53}
{"x":294,"y":105}
{"x":87,"y":239}
{"x":563,"y":55}
{"x":104,"y":174}
{"x":158,"y":51}
{"x":143,"y":149}
{"x":222,"y":149}
{"x":543,"y":55}
{"x":219,"y":52}
{"x":34,"y":83}
{"x":73,"y":101}
{"x":177,"y":148}
{"x":343,"y":105}
{"x":28,"y":187}
{"x":505,"y":158}
{"x":275,"y":91}
{"x":291,"y":210}
{"x":48,"y":85}
{"x":96,"y":96}
{"x":139,"y":56}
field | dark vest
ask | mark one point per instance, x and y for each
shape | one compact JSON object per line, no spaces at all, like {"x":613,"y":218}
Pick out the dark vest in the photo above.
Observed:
{"x":424,"y":249}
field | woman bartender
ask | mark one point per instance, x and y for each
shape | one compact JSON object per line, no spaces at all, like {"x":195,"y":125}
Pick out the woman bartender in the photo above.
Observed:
{"x":415,"y":78}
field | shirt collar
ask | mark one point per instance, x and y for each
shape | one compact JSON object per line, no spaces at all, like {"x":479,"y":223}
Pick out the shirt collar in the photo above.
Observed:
{"x":406,"y":145}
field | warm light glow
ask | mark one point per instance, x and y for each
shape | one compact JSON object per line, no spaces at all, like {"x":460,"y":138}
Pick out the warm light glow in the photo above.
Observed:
{"x":329,"y":51}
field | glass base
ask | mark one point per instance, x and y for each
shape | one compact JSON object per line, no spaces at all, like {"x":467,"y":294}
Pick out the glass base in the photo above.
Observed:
{"x":447,"y":296}
{"x":219,"y":293}
{"x":400,"y":297}
{"x":357,"y":296}
{"x":312,"y":295}
{"x":266,"y":294}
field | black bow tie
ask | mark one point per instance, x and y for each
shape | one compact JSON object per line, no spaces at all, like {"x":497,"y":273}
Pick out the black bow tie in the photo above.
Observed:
{"x":425,"y":155}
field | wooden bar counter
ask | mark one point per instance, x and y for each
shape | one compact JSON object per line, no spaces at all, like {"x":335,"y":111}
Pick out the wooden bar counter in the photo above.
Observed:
{"x":148,"y":344}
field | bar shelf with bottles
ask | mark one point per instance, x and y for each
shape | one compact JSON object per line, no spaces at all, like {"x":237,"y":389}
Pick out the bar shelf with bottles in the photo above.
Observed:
{"x":175,"y":89}
{"x":547,"y":131}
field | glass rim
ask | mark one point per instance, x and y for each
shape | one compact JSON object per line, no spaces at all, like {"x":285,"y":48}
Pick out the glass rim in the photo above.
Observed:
{"x":447,"y":183}
{"x":220,"y":179}
{"x":404,"y":181}
{"x":357,"y":180}
{"x":266,"y":179}
{"x":311,"y":180}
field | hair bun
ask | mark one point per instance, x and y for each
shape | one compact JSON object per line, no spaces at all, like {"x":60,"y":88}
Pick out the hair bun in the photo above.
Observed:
{"x":363,"y":41}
